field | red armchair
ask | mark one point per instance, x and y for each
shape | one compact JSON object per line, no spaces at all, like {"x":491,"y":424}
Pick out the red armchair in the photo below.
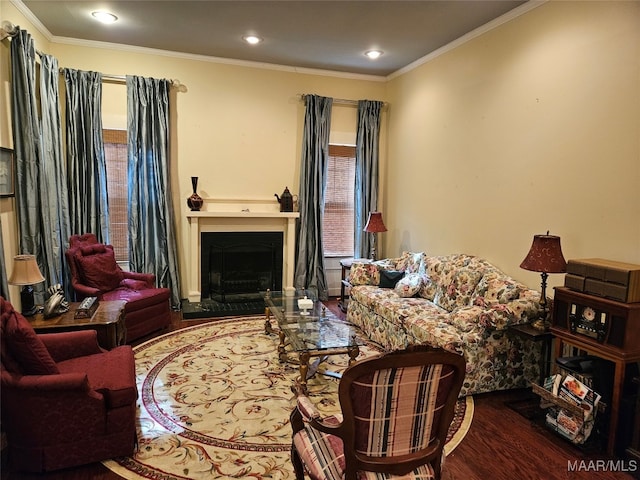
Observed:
{"x":65,"y":401}
{"x":95,"y":273}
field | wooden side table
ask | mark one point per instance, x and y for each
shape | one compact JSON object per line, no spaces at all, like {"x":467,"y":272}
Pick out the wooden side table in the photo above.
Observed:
{"x":346,"y":263}
{"x":107,"y":320}
{"x":620,"y":344}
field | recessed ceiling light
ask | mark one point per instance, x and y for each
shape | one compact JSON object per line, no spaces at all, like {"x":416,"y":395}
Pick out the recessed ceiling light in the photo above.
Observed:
{"x":373,"y":54}
{"x":104,"y":17}
{"x":252,"y":39}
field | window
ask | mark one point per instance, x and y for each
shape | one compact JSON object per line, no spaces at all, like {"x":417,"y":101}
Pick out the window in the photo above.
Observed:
{"x":337,"y":227}
{"x":115,"y":155}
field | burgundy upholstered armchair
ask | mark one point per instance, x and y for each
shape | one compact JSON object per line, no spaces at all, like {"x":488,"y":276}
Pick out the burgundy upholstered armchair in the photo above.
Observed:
{"x":95,"y":273}
{"x":65,"y":401}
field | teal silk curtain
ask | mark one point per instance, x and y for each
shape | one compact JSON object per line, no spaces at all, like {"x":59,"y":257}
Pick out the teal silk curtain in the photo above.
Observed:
{"x":54,"y":204}
{"x":152,"y":240}
{"x":26,"y":133}
{"x":309,"y":271}
{"x":366,"y":186}
{"x":41,"y":188}
{"x":89,"y":206}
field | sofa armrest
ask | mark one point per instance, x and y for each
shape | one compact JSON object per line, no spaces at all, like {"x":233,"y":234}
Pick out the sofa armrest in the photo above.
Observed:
{"x":490,"y":318}
{"x":307,"y":408}
{"x":84,"y":291}
{"x":49,"y":406}
{"x":496,"y":316}
{"x":47,"y":383}
{"x":148,"y":278}
{"x":311,"y":416}
{"x":66,"y":345}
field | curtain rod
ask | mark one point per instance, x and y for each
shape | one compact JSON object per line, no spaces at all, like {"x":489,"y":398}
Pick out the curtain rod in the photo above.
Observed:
{"x":9,"y":30}
{"x":123,"y":79}
{"x":339,"y":101}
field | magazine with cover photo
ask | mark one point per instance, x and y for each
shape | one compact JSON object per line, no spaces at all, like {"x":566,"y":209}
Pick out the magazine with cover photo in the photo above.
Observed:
{"x":572,"y":390}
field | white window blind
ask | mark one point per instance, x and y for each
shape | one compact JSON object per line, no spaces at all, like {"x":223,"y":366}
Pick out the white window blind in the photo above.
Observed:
{"x":115,"y":153}
{"x":337,"y":227}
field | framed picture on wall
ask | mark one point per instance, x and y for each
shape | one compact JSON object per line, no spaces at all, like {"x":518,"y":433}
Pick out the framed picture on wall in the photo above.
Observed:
{"x":7,"y":173}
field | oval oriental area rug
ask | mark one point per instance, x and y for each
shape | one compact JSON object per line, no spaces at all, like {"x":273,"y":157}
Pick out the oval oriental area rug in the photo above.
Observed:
{"x":215,"y":403}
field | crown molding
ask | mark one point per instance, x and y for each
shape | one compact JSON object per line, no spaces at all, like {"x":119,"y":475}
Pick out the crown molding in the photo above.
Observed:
{"x":22,"y":8}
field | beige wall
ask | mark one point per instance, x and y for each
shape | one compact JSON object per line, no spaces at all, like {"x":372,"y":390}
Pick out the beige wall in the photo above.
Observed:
{"x":533,"y":126}
{"x":237,"y":128}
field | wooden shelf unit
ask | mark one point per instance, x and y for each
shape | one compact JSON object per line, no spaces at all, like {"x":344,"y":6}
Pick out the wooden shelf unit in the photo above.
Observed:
{"x":619,"y":341}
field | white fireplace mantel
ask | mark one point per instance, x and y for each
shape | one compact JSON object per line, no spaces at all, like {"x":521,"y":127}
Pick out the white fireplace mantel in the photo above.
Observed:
{"x":240,"y":216}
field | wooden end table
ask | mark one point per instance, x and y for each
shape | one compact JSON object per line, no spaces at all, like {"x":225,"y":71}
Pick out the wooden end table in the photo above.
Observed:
{"x":107,"y":320}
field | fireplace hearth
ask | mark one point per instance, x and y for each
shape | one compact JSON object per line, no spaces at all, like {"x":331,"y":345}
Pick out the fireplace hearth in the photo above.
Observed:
{"x":210,"y":308}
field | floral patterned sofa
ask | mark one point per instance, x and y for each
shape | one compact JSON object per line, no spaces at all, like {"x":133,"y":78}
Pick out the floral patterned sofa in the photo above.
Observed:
{"x":459,"y":302}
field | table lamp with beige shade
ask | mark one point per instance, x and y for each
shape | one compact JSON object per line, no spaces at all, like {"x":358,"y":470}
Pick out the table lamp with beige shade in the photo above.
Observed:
{"x":26,"y":273}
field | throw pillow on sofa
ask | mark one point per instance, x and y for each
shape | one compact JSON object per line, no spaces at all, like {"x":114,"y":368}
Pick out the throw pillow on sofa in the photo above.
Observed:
{"x":457,"y":287}
{"x":409,"y":285}
{"x":433,"y":272}
{"x":389,"y":278}
{"x":385,"y":264}
{"x":364,"y":274}
{"x":496,"y":288}
{"x":411,"y":262}
{"x":428,"y":288}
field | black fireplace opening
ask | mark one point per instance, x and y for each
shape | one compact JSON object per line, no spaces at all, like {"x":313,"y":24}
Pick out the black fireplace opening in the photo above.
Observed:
{"x":235,"y":267}
{"x":239,"y":265}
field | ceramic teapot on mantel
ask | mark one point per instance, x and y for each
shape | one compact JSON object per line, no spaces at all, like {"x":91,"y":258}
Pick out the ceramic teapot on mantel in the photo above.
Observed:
{"x":286,"y":200}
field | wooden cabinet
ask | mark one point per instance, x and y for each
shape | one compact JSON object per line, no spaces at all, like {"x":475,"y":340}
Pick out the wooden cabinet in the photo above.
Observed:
{"x":601,"y":327}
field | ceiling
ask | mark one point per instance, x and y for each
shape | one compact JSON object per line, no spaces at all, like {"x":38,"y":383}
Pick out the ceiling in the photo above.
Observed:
{"x":328,"y":35}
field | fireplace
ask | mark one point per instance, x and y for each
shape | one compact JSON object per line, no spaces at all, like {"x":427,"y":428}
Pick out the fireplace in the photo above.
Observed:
{"x":235,"y":216}
{"x":237,"y":266}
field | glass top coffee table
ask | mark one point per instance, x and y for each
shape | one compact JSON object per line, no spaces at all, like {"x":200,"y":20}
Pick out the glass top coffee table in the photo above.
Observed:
{"x":308,"y":332}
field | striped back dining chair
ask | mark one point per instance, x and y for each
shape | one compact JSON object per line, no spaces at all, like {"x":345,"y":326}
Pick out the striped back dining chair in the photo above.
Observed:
{"x":396,"y":412}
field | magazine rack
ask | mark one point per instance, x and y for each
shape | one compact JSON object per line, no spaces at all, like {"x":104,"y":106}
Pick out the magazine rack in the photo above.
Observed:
{"x":552,"y":399}
{"x":557,"y":407}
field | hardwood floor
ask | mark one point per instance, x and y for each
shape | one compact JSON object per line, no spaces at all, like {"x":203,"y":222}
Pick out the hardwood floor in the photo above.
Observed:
{"x":500,"y":445}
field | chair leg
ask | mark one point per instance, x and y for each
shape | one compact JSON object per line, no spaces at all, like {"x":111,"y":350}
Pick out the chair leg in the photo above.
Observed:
{"x":298,"y":468}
